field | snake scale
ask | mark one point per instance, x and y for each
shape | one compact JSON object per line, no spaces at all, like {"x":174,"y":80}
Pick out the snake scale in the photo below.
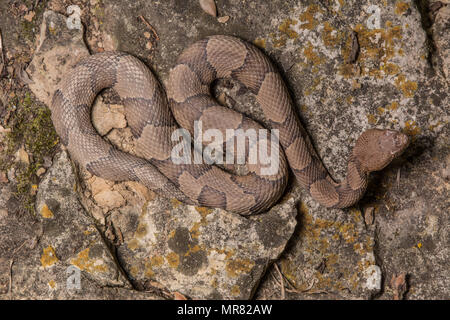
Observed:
{"x":153,"y":117}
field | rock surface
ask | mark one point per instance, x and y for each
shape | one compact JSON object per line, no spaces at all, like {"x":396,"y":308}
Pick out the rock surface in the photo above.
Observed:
{"x":350,"y":65}
{"x":46,"y":255}
{"x":197,"y":251}
{"x":63,"y":46}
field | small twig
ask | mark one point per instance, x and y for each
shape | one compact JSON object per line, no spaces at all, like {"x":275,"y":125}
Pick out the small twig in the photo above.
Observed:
{"x":398,"y":178}
{"x":150,"y":27}
{"x":2,"y":56}
{"x":283,"y":294}
{"x":20,"y":247}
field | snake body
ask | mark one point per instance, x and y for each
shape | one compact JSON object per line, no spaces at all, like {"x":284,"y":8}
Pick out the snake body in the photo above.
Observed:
{"x":153,"y":117}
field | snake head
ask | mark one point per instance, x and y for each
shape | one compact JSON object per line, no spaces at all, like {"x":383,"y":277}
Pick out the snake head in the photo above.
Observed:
{"x":376,"y":148}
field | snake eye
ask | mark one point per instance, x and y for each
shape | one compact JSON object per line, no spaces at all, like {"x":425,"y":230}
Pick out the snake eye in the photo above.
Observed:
{"x":400,"y":142}
{"x":393,"y":143}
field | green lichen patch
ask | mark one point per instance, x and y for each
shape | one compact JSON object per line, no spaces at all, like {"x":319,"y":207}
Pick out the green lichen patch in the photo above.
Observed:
{"x":29,"y":29}
{"x":31,"y":127}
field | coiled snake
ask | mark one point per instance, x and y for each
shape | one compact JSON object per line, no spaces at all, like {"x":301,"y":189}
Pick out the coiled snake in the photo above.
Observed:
{"x":152,"y":123}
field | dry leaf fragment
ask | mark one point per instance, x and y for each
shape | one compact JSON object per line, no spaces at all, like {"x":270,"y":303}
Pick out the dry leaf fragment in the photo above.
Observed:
{"x":179,"y":296}
{"x":29,"y":16}
{"x":23,"y":75}
{"x":399,"y":286}
{"x":22,"y":156}
{"x":3,"y":177}
{"x":209,"y":6}
{"x":368,"y":215}
{"x":223,"y":19}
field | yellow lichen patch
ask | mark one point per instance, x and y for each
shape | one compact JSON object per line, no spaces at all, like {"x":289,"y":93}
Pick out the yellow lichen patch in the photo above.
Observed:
{"x":371,"y":119}
{"x":46,"y":212}
{"x":349,"y":99}
{"x":213,"y":271}
{"x":195,"y":230}
{"x":347,"y":70}
{"x":193,"y":249}
{"x":173,"y":259}
{"x":393,"y":106}
{"x":228,"y":253}
{"x":175,"y":203}
{"x":308,"y":17}
{"x":330,"y":36}
{"x":157,"y":261}
{"x":390,"y":69}
{"x":375,"y":73}
{"x":357,"y":215}
{"x":381,"y":110}
{"x":149,"y":273}
{"x":52,"y":284}
{"x":261,"y":43}
{"x":303,"y":208}
{"x":370,"y":243}
{"x":312,"y":57}
{"x":285,"y":27}
{"x":411,"y":128}
{"x":235,"y":291}
{"x":204,"y":211}
{"x":236,"y":267}
{"x":358,"y":248}
{"x":401,"y":7}
{"x":313,"y":229}
{"x":134,"y":271}
{"x":48,"y":257}
{"x":288,"y":269}
{"x":141,"y":230}
{"x":90,"y":230}
{"x":278,"y":42}
{"x":408,"y":88}
{"x":83,"y":262}
{"x":376,"y":48}
{"x":348,"y":232}
{"x":363,"y":264}
{"x":133,"y":244}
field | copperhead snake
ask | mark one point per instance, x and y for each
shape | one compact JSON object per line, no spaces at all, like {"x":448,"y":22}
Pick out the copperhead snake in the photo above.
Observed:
{"x":153,"y":117}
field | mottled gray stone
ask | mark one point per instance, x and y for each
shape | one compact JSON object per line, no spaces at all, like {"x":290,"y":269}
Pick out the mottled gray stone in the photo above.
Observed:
{"x":58,"y":50}
{"x":42,"y":252}
{"x":203,"y":253}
